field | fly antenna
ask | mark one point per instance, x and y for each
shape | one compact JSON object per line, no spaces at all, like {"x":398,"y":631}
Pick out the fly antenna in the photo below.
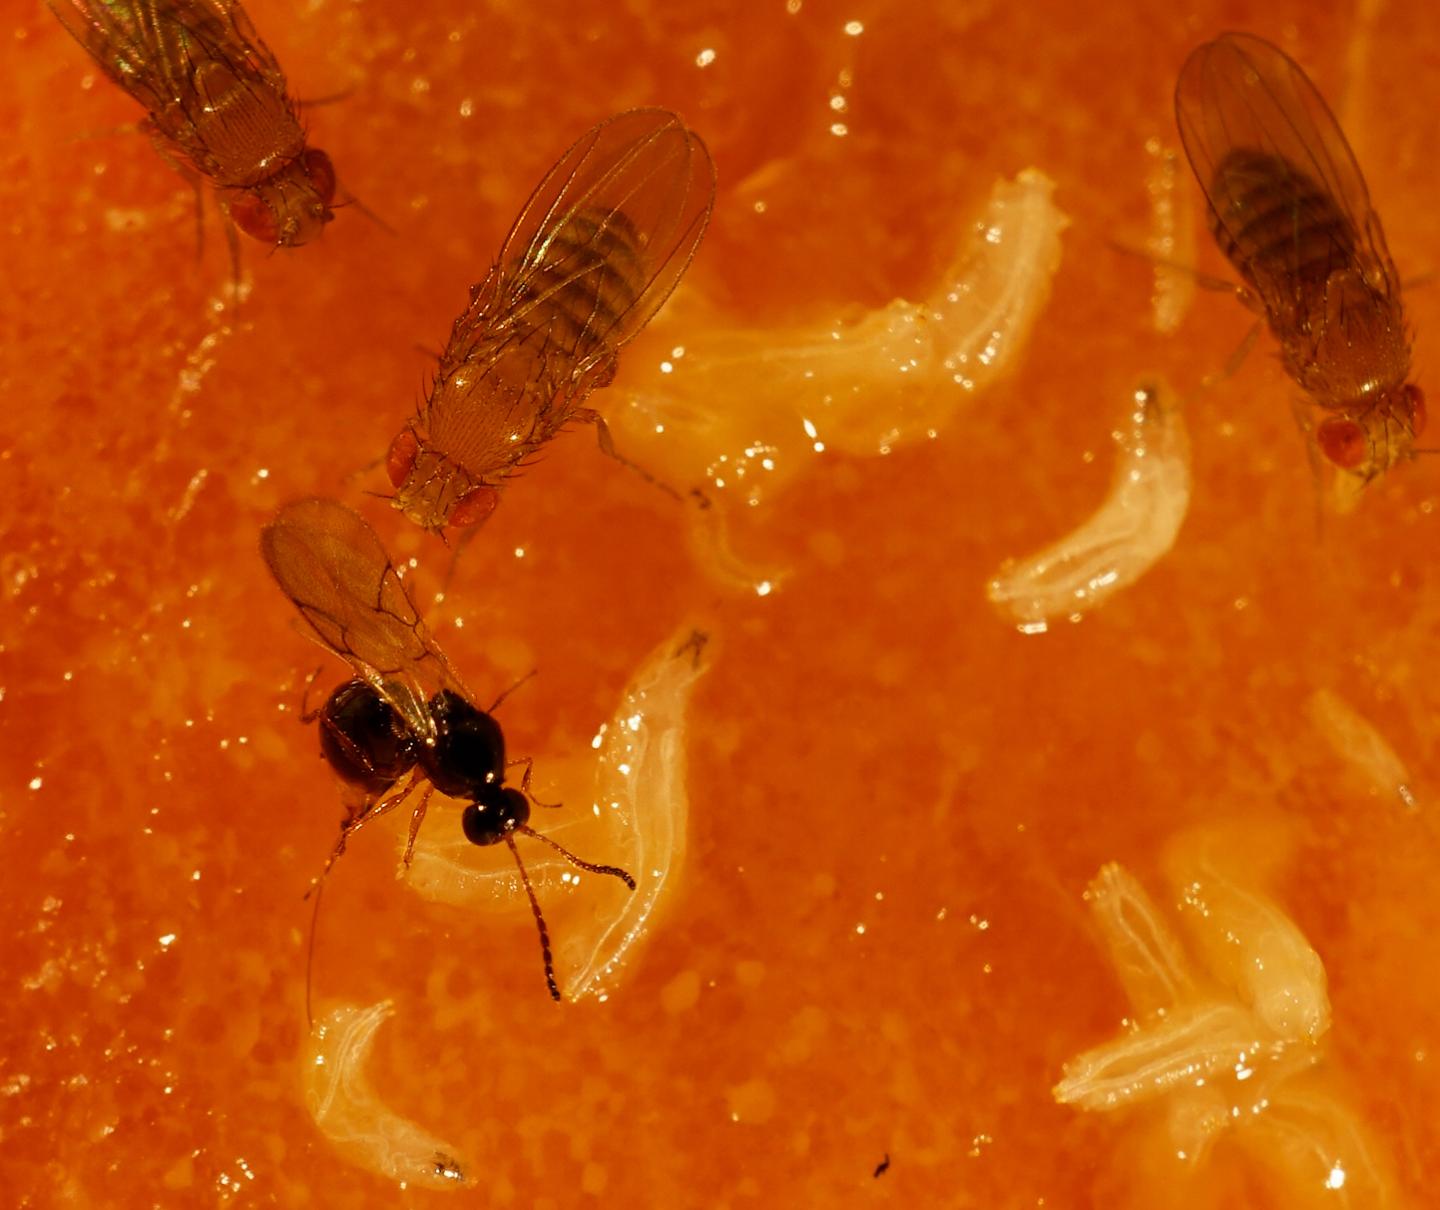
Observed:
{"x":539,"y":919}
{"x":613,"y":870}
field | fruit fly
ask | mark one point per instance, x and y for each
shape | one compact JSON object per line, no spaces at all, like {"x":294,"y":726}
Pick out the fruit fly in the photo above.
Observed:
{"x":216,"y":106}
{"x":596,"y":250}
{"x":1289,"y":208}
{"x":404,"y":719}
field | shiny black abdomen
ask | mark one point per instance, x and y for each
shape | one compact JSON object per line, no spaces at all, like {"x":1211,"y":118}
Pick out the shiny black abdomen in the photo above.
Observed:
{"x":364,"y":739}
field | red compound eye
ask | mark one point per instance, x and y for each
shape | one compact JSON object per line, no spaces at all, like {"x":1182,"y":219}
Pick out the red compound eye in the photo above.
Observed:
{"x":473,"y":507}
{"x":1416,"y":398}
{"x":321,"y":173}
{"x":1343,"y":442}
{"x":250,"y":213}
{"x":401,"y":457}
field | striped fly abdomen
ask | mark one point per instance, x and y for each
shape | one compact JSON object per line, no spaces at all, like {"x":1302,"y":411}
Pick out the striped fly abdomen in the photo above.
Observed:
{"x":1274,"y":223}
{"x":592,"y":273}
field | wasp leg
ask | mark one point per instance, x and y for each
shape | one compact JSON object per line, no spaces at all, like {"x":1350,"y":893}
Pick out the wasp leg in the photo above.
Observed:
{"x":382,"y":806}
{"x":417,"y":817}
{"x":529,"y":763}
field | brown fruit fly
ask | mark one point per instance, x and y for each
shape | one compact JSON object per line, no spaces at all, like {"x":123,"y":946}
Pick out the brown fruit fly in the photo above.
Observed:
{"x":405,"y":711}
{"x":216,"y":106}
{"x":596,"y":250}
{"x":1289,"y":207}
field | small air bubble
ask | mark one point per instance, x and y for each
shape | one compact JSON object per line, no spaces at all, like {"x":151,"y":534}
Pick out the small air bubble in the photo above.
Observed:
{"x":854,"y":28}
{"x":705,"y":57}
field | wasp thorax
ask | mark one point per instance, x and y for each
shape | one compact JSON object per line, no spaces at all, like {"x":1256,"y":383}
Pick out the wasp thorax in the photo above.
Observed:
{"x":467,"y":756}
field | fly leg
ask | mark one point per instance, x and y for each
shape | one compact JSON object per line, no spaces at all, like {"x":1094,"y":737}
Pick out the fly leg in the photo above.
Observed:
{"x":607,"y":447}
{"x":189,"y":176}
{"x":1237,"y":358}
{"x":1204,"y":280}
{"x":1300,"y":410}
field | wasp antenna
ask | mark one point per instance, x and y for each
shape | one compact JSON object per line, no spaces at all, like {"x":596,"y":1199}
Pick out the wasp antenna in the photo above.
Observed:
{"x":379,"y":495}
{"x":613,"y":870}
{"x":539,"y":919}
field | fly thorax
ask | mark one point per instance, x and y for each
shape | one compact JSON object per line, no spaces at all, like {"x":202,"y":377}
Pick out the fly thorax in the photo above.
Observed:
{"x":251,"y":133}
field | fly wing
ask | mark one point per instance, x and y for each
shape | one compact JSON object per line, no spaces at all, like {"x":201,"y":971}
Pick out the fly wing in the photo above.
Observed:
{"x":1240,"y":94}
{"x":331,"y":565}
{"x":154,"y":50}
{"x":639,"y":180}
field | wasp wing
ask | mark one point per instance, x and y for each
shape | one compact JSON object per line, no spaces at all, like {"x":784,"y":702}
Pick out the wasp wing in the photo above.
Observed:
{"x":1240,"y":94}
{"x":637,"y":180}
{"x":331,"y":565}
{"x":155,"y":50}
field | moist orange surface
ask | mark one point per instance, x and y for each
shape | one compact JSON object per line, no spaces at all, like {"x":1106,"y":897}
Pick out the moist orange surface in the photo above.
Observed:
{"x":878,"y":945}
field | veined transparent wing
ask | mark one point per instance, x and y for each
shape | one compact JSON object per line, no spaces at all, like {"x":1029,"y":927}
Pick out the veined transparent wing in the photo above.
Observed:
{"x":1239,"y":93}
{"x":155,"y":50}
{"x":637,"y":181}
{"x":331,"y":565}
